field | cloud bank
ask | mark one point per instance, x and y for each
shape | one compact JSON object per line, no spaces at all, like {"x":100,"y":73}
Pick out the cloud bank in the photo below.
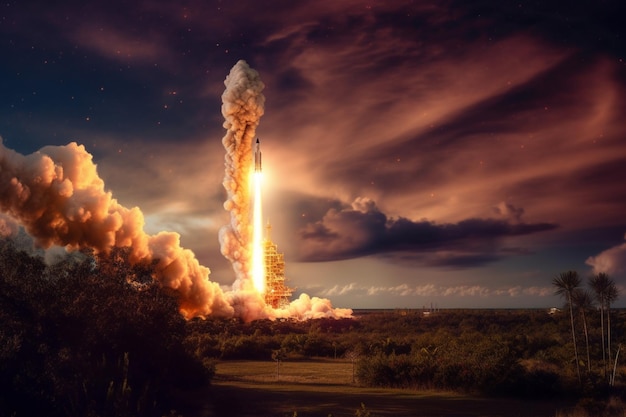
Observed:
{"x":362,"y":229}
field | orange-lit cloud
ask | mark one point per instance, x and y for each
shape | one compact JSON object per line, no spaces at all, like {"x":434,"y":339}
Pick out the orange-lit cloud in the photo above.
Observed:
{"x":445,"y":115}
{"x":58,"y":197}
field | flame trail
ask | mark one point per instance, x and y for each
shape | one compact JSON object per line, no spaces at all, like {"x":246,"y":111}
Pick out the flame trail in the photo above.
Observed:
{"x":258,"y":263}
{"x":57,"y":195}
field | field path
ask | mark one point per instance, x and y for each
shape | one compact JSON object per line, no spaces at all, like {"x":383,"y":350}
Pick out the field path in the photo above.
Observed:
{"x":324,"y":388}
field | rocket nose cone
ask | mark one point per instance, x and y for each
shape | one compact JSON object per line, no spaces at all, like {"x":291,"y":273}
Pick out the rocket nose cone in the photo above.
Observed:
{"x":257,"y":140}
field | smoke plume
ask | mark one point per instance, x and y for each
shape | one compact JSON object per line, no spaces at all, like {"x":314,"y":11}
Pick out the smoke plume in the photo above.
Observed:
{"x":58,"y":197}
{"x":242,"y":108}
{"x":8,"y":227}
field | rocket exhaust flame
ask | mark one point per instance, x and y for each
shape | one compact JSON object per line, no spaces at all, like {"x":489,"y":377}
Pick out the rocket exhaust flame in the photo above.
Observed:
{"x":258,"y":263}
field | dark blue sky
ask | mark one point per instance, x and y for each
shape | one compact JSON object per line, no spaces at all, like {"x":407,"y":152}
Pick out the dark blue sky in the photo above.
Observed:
{"x":461,"y":153}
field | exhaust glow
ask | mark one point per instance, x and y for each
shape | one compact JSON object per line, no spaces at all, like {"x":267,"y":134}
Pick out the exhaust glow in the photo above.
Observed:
{"x":258,"y":264}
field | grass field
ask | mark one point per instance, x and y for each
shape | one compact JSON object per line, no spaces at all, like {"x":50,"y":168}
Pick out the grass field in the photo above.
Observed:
{"x":323,"y":371}
{"x":324,"y":387}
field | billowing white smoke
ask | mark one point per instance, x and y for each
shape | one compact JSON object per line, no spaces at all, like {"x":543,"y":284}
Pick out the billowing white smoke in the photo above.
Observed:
{"x":242,"y":107}
{"x":306,"y":307}
{"x":58,"y":197}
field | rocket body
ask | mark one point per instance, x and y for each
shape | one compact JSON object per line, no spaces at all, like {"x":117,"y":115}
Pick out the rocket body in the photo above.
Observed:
{"x":257,"y":157}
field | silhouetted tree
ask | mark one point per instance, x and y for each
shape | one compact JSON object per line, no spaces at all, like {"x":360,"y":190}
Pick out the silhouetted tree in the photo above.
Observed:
{"x":566,"y":283}
{"x":599,"y":284}
{"x":605,"y":293}
{"x":583,"y":302}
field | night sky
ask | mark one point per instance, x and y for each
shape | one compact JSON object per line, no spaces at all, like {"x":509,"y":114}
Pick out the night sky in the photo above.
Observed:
{"x":453,"y":153}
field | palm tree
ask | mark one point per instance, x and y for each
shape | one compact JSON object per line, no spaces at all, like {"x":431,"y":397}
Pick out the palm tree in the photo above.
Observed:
{"x":566,"y":283}
{"x":584,"y":302}
{"x":612,"y":294}
{"x":599,"y":283}
{"x":606,"y":293}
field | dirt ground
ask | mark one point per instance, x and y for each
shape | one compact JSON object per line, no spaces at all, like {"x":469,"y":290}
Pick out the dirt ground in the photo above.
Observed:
{"x":233,"y":395}
{"x":273,"y":400}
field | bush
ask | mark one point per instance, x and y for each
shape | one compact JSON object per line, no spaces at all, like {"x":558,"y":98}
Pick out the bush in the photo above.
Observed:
{"x":483,"y":366}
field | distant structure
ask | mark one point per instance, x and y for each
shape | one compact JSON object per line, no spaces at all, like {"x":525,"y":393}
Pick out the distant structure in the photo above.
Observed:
{"x":277,"y":294}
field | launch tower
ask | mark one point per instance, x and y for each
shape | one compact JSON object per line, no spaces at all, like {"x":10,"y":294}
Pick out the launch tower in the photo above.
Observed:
{"x":277,"y":294}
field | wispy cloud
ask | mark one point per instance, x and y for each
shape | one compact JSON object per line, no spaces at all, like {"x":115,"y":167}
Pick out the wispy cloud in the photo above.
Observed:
{"x":433,"y":290}
{"x":117,"y":44}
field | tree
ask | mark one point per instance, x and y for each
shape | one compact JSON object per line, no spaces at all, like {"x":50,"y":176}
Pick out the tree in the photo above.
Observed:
{"x":599,"y":284}
{"x":566,"y":283}
{"x":583,"y":301}
{"x":352,"y":355}
{"x":605,"y":293}
{"x":612,"y":294}
{"x":278,"y":356}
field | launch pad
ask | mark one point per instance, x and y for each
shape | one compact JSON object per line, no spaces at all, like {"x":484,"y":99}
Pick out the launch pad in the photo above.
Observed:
{"x":268,"y":263}
{"x":277,"y":294}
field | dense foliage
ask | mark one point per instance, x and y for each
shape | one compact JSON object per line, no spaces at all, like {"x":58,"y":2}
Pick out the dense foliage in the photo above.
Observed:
{"x":494,"y":352}
{"x":88,"y":336}
{"x":94,"y":336}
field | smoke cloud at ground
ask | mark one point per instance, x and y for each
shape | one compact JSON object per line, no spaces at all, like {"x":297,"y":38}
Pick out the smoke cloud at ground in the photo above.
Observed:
{"x":58,"y":197}
{"x":8,"y":228}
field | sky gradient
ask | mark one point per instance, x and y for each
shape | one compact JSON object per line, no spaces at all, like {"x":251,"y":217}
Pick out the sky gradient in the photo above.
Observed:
{"x":459,"y":154}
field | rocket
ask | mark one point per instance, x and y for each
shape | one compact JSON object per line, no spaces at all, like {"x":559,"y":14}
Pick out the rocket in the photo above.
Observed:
{"x":257,"y":156}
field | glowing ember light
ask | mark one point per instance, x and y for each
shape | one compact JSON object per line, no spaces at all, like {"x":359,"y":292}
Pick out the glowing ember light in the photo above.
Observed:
{"x":258,"y":264}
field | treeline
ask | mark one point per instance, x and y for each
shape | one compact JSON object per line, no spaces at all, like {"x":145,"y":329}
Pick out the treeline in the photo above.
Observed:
{"x":89,"y":336}
{"x":521,"y":353}
{"x":93,"y":335}
{"x":493,"y":352}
